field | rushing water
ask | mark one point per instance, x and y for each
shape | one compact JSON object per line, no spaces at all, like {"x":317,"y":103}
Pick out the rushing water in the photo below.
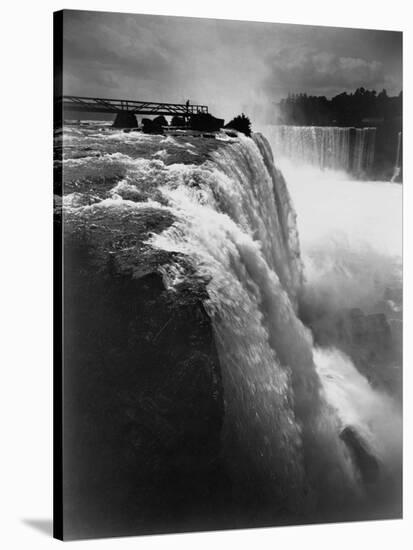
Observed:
{"x":325,"y":147}
{"x":287,"y":398}
{"x":398,"y":163}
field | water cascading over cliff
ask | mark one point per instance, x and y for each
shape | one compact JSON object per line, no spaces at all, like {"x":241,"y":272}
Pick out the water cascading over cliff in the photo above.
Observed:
{"x":282,"y":433}
{"x":287,"y":401}
{"x":335,"y":148}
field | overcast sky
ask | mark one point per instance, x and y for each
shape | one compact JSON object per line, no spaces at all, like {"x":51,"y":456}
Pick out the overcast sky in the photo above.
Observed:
{"x":231,"y":66}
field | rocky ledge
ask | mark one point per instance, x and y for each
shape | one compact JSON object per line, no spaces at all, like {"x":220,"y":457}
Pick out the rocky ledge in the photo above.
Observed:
{"x":143,"y":391}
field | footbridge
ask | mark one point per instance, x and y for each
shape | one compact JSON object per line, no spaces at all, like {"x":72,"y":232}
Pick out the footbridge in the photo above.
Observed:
{"x":127,"y":109}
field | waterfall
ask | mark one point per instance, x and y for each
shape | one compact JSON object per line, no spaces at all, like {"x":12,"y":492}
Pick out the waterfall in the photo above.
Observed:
{"x":293,"y":427}
{"x":335,"y":148}
{"x":397,"y":165}
{"x":238,"y":228}
{"x":363,"y":152}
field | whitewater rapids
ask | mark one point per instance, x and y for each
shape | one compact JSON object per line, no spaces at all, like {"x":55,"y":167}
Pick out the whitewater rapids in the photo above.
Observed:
{"x":287,"y":399}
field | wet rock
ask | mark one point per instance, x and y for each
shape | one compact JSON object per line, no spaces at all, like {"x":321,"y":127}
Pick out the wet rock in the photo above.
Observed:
{"x":177,"y":121}
{"x":364,"y":460}
{"x":367,"y":339}
{"x":143,"y":387}
{"x":241,"y":123}
{"x":154,"y":126}
{"x":125,"y":119}
{"x":205,"y":122}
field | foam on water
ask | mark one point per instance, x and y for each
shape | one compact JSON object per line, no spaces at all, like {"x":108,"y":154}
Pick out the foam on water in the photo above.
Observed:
{"x":238,"y":227}
{"x":285,"y":400}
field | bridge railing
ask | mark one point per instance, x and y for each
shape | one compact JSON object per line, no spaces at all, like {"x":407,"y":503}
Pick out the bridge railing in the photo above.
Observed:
{"x":104,"y":105}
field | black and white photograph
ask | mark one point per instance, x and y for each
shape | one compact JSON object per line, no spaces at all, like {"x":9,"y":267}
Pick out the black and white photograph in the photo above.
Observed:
{"x":228,"y":274}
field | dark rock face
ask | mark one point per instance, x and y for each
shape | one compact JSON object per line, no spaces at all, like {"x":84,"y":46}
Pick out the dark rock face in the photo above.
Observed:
{"x":143,"y":393}
{"x":177,"y":121}
{"x":364,"y":460}
{"x":125,"y":119}
{"x":206,"y":122}
{"x":385,"y":155}
{"x":154,"y":126}
{"x":366,"y":338}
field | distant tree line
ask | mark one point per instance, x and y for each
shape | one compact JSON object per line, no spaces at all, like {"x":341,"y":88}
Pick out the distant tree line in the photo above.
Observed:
{"x":355,"y":109}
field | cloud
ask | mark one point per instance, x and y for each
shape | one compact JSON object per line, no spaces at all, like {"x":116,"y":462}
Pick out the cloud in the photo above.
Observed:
{"x":104,"y":55}
{"x":300,"y":69}
{"x":161,"y":59}
{"x":231,"y":66}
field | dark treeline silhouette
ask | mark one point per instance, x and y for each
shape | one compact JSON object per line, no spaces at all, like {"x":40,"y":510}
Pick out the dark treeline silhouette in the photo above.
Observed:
{"x":241,"y":123}
{"x":361,"y":108}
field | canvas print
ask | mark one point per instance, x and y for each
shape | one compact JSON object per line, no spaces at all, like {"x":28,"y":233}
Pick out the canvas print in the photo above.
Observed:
{"x":228,"y":274}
